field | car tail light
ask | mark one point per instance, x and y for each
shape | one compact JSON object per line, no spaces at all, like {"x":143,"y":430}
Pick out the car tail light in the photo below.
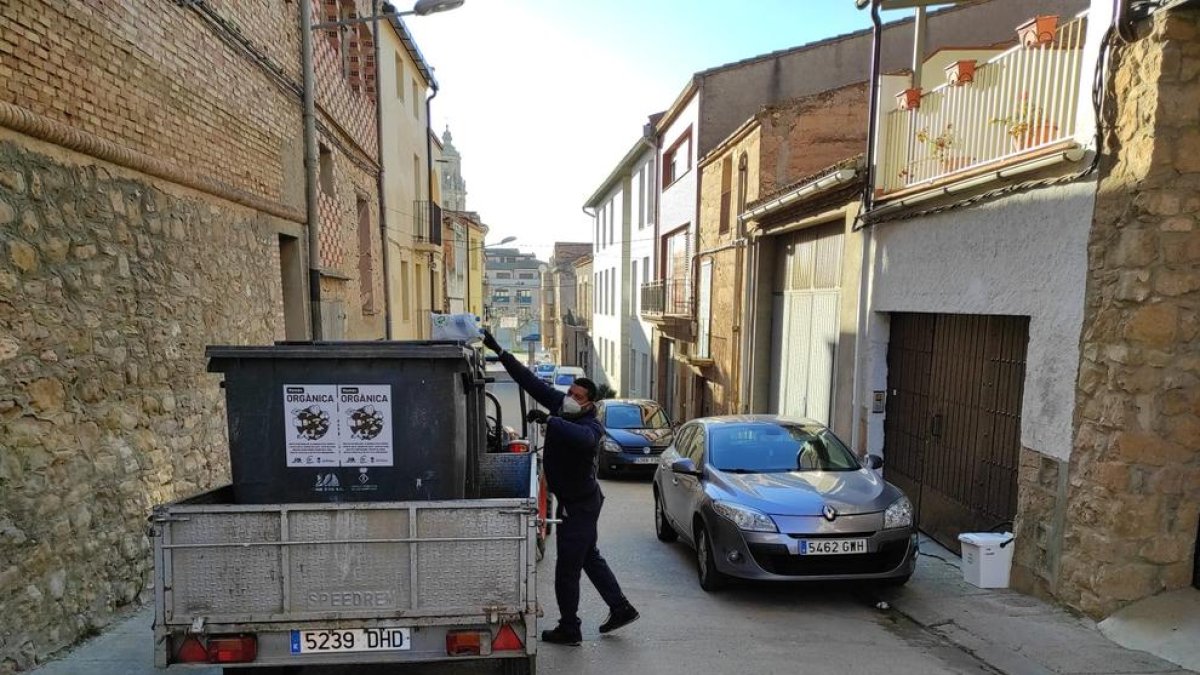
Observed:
{"x":468,"y":643}
{"x":507,"y":640}
{"x":232,"y":649}
{"x":192,"y":651}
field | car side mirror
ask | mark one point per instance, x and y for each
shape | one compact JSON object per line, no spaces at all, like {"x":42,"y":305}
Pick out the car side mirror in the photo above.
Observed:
{"x":874,"y":462}
{"x":685,"y":466}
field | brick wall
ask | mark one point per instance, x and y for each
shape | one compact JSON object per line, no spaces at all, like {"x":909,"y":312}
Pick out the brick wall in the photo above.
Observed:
{"x":156,"y":78}
{"x":804,"y":136}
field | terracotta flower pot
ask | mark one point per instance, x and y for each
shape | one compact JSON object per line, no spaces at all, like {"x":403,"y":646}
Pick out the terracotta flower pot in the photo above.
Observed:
{"x":1034,"y":136}
{"x":909,"y":99}
{"x":960,"y":72}
{"x":1037,"y":31}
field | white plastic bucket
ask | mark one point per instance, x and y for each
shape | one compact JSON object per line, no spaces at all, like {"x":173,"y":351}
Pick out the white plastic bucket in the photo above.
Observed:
{"x":986,"y":558}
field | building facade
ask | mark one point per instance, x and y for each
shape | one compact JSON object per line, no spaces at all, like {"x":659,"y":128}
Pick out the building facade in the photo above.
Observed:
{"x":577,"y":338}
{"x":559,"y":309}
{"x":152,"y":202}
{"x":405,"y":79}
{"x":514,"y":304}
{"x":620,"y":205}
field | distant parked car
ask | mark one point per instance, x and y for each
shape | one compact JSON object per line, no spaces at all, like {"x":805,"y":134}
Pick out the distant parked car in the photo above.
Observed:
{"x":564,"y":376}
{"x":545,"y":372}
{"x":636,"y":431}
{"x":774,"y":498}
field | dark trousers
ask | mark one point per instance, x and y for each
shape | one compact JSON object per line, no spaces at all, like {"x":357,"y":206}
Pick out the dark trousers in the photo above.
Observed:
{"x":577,"y":552}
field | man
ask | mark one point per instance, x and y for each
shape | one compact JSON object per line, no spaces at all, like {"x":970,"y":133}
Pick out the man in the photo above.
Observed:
{"x":572,"y":436}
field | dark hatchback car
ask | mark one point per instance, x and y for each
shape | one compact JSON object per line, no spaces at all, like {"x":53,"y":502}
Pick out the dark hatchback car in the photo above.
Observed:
{"x":636,"y":433}
{"x":772,"y":498}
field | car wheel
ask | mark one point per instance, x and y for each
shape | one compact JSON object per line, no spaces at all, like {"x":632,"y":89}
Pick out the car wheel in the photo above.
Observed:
{"x":662,"y":527}
{"x":711,"y":578}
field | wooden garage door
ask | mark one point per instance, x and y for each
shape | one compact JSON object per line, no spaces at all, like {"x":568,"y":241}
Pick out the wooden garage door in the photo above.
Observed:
{"x":953,"y":425}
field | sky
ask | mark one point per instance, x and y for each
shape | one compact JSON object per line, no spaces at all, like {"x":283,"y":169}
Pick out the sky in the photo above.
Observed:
{"x":544,"y":97}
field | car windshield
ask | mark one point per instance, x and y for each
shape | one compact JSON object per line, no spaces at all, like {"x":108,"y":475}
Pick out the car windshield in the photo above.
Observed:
{"x":772,"y":447}
{"x":545,"y":369}
{"x":635,"y":416}
{"x":564,"y":378}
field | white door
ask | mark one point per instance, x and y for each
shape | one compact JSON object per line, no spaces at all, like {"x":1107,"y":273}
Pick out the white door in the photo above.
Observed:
{"x":804,"y":333}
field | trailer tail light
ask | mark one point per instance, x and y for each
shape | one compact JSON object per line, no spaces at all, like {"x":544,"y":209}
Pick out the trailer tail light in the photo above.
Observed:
{"x":232,"y":649}
{"x":192,"y":651}
{"x":507,"y":640}
{"x":468,"y":643}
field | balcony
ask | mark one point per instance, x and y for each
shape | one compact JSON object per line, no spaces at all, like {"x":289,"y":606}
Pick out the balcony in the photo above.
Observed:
{"x":666,"y":298}
{"x":1020,"y":102}
{"x":424,"y":213}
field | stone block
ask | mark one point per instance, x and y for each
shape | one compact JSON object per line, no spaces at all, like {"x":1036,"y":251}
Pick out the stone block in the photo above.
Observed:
{"x":1134,"y":248}
{"x":23,"y":256}
{"x":1153,"y":325}
{"x":1184,"y":430}
{"x":1181,"y":247}
{"x":1149,"y":449}
{"x":1171,"y":282}
{"x":1124,"y":581}
{"x":1178,"y":224}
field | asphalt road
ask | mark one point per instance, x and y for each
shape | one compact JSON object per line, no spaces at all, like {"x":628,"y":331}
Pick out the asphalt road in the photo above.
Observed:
{"x":749,"y":628}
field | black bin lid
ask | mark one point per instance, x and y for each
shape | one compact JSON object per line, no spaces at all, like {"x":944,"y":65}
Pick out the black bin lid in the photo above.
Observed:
{"x":220,"y":355}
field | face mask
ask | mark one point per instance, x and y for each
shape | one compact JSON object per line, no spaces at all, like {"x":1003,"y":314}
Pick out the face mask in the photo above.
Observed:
{"x":570,"y":408}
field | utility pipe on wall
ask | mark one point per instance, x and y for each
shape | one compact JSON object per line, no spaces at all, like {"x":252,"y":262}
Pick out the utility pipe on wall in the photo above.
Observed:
{"x":380,"y":184}
{"x":312,"y":212}
{"x":429,"y":187}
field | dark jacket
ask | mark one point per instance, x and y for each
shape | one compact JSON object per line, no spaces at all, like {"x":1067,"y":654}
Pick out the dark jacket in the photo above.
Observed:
{"x":571,"y":445}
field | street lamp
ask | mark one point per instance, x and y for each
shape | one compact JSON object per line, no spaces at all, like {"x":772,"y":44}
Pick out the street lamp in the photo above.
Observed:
{"x":311,"y":188}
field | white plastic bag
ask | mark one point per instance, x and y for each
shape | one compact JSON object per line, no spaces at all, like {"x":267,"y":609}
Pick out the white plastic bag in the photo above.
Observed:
{"x":459,"y":327}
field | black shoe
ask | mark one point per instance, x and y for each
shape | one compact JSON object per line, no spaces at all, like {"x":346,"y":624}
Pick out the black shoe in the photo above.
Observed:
{"x":621,"y":616}
{"x":562,"y":636}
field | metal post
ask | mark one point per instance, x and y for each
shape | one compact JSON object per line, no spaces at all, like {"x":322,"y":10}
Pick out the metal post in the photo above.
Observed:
{"x":312,"y":213}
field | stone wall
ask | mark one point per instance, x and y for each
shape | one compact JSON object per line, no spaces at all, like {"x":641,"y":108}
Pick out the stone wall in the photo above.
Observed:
{"x":111,"y":285}
{"x":1134,"y":473}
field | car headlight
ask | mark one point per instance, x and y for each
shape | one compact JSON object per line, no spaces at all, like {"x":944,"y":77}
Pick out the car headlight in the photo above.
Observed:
{"x":745,"y":518}
{"x":609,"y":445}
{"x":899,"y":514}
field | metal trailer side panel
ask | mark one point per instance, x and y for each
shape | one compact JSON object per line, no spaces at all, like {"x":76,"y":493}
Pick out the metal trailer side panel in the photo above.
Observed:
{"x":252,"y":568}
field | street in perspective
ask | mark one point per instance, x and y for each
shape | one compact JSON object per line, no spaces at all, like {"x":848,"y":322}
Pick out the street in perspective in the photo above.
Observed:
{"x":842,"y":336}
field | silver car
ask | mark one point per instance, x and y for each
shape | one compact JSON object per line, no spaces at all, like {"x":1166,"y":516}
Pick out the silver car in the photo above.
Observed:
{"x":774,"y":498}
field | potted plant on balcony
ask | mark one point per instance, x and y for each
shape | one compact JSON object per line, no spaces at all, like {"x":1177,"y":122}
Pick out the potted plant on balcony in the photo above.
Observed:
{"x":960,"y":72}
{"x":1037,"y":31}
{"x":1028,"y":126}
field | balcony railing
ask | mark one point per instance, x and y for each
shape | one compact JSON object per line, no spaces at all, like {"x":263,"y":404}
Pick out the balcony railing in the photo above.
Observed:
{"x":424,"y":213}
{"x":1020,"y":100}
{"x":666,"y":297}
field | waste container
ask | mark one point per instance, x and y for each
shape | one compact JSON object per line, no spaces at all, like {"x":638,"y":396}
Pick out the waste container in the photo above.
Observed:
{"x":351,"y":421}
{"x":986,"y":558}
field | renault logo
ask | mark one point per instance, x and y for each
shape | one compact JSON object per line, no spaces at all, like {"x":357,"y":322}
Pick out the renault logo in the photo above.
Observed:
{"x":829,"y":512}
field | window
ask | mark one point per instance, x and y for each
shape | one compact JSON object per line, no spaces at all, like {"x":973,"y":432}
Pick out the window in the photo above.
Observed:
{"x":527,"y":275}
{"x":325,"y":161}
{"x":524,"y":296}
{"x":703,"y":311}
{"x":500,"y":296}
{"x":676,"y":270}
{"x":611,"y":212}
{"x":633,"y":285}
{"x":399,"y":78}
{"x":503,"y":275}
{"x":641,"y":199}
{"x":612,"y":279}
{"x":366,"y":261}
{"x":416,"y":100}
{"x":742,"y":183}
{"x":646,"y":373}
{"x":678,"y":159}
{"x":405,"y":310}
{"x":726,"y":189}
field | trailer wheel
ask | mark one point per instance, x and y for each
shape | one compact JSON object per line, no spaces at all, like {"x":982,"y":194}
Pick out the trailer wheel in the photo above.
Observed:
{"x":525,"y":666}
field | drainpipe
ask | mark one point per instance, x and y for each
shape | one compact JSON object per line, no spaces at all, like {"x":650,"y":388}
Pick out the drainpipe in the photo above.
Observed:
{"x":429,"y":186}
{"x":868,"y":197}
{"x":312,"y":212}
{"x":859,"y":417}
{"x":380,"y":185}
